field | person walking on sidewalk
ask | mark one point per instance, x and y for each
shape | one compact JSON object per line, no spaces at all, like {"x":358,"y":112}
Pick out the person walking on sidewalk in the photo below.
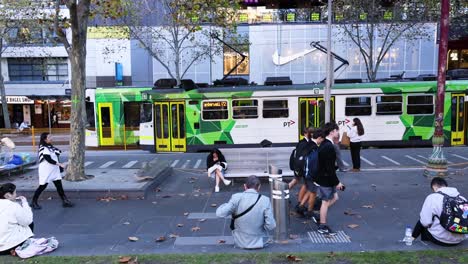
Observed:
{"x":429,"y":225}
{"x":50,"y":170}
{"x":326,"y":180}
{"x":216,"y":165}
{"x":252,"y":215}
{"x":16,"y":219}
{"x":355,"y":133}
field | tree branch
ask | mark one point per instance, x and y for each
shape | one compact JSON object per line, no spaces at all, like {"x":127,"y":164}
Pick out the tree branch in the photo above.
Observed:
{"x":155,"y":56}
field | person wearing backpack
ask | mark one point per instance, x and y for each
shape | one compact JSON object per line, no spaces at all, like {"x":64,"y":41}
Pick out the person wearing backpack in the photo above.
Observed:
{"x":438,"y":216}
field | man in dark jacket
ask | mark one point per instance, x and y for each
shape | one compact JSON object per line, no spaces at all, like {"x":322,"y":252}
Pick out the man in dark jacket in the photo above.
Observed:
{"x":302,"y":149}
{"x":326,"y":180}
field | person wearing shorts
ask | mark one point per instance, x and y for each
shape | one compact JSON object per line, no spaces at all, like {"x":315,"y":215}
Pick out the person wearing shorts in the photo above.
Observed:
{"x":326,"y":180}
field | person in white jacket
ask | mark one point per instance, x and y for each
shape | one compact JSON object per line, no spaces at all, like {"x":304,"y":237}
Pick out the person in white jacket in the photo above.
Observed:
{"x":428,"y":226}
{"x":356,"y":133}
{"x":16,"y":219}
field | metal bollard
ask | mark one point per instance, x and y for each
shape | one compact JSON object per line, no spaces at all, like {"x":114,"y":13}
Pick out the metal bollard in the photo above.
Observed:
{"x":274,"y":173}
{"x":280,"y":204}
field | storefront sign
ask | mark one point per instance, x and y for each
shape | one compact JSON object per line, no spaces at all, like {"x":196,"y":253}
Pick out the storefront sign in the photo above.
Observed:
{"x":18,"y":100}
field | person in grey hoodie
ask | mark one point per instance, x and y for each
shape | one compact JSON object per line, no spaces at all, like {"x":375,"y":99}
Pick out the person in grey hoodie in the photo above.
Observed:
{"x":251,"y":227}
{"x":428,"y":225}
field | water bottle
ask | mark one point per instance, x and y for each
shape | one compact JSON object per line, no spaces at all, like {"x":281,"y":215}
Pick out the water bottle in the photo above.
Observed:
{"x":408,"y":236}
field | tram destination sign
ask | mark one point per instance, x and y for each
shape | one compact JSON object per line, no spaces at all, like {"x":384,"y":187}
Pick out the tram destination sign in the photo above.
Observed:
{"x":214,"y":104}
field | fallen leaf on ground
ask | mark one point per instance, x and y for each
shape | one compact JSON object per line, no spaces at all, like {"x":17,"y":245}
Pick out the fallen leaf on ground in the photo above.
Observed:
{"x":123,"y":197}
{"x":293,"y":258}
{"x":180,"y":225}
{"x":193,"y":178}
{"x":124,"y":259}
{"x":202,"y":220}
{"x":214,"y":205}
{"x":173,"y":236}
{"x":331,"y":254}
{"x":182,"y":194}
{"x":221,"y":241}
{"x":369,"y":206}
{"x":195,"y":229}
{"x":191,"y":181}
{"x":305,"y":222}
{"x":126,"y":223}
{"x":133,"y":261}
{"x":349,"y":212}
{"x":166,"y":196}
{"x":196,"y":195}
{"x":133,"y":239}
{"x":154,"y":202}
{"x":161,"y":239}
{"x":292,"y":236}
{"x":158,"y":190}
{"x":49,"y":198}
{"x":353,"y":226}
{"x":395,"y":208}
{"x":186,"y":213}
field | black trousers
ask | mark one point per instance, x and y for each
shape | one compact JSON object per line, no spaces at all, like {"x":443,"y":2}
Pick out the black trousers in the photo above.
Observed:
{"x":7,"y":252}
{"x":356,"y":154}
{"x":420,"y":230}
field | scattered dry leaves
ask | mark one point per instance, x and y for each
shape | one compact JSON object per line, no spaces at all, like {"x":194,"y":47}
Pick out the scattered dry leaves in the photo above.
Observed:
{"x":352,"y":226}
{"x":166,"y":196}
{"x":126,"y":223}
{"x":349,"y":212}
{"x":124,"y":197}
{"x":368,"y":206}
{"x":194,"y":178}
{"x":202,"y":220}
{"x":213,"y":205}
{"x":191,"y":181}
{"x":293,"y":258}
{"x":221,"y":241}
{"x":133,"y":239}
{"x":293,"y":236}
{"x":161,"y":239}
{"x":182,"y":194}
{"x":186,"y":214}
{"x":195,"y":229}
{"x":331,"y":254}
{"x":124,"y":259}
{"x":158,"y":190}
{"x":173,"y":236}
{"x":180,"y":225}
{"x":154,"y":202}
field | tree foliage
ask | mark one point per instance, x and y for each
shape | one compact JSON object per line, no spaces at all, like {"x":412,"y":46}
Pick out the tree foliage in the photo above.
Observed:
{"x":176,"y":33}
{"x":374,"y":26}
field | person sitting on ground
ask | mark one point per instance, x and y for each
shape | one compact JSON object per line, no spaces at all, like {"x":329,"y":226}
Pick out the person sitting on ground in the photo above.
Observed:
{"x":16,"y":219}
{"x":429,"y":226}
{"x":252,"y":213}
{"x":22,"y":126}
{"x":216,"y":165}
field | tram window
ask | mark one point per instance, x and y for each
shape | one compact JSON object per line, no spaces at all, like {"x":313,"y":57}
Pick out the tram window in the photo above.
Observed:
{"x":244,"y":109}
{"x":275,"y":109}
{"x":146,"y":113}
{"x":215,"y":110}
{"x":132,"y":115}
{"x":90,"y":117}
{"x":358,"y":106}
{"x":420,"y":105}
{"x":389,"y":104}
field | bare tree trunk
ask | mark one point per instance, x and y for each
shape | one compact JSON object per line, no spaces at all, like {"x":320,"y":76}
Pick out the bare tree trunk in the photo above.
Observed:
{"x":6,"y":115}
{"x":79,"y":25}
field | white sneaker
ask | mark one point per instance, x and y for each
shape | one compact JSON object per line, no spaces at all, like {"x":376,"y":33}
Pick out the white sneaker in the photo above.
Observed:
{"x":216,"y":188}
{"x":227,"y":182}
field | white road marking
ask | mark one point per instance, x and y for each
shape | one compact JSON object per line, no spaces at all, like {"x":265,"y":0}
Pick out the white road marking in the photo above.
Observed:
{"x":130,"y":164}
{"x":174,"y":163}
{"x":107,"y":164}
{"x":392,"y":161}
{"x":368,"y":161}
{"x":460,"y":157}
{"x":411,"y":158}
{"x":185,"y":164}
{"x":86,"y":164}
{"x":197,"y":164}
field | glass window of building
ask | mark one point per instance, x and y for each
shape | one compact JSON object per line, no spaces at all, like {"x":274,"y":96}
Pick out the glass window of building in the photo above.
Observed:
{"x":215,"y":110}
{"x":358,"y":106}
{"x":232,"y":58}
{"x":38,"y":69}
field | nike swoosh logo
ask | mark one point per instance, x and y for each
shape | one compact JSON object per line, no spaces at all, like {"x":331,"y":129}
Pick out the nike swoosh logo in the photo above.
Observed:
{"x":281,"y":60}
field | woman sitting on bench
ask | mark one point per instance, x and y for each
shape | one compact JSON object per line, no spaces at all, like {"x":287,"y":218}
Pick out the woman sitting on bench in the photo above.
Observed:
{"x":216,"y":165}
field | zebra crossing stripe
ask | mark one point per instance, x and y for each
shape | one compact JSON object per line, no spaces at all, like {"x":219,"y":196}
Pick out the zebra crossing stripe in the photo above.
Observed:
{"x":185,"y":164}
{"x":411,"y":158}
{"x":392,"y":161}
{"x":86,"y":164}
{"x":197,"y":164}
{"x":174,"y":163}
{"x":460,"y":157}
{"x":130,"y":164}
{"x":107,"y":164}
{"x":368,"y":161}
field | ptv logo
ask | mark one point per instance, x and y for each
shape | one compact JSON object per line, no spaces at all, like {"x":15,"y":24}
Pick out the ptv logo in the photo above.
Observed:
{"x":288,"y":123}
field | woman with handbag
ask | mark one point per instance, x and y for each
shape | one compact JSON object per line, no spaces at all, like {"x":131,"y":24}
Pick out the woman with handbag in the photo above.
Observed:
{"x":355,"y":133}
{"x":50,"y":170}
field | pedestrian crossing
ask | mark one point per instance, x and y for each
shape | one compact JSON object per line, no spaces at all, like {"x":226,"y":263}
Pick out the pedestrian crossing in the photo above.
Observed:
{"x":197,"y":163}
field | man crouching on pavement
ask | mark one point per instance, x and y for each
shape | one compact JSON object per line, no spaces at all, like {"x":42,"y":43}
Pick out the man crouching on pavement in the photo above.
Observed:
{"x":252,"y":215}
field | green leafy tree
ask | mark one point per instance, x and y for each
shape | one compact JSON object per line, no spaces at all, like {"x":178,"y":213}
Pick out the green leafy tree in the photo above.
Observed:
{"x":374,"y":26}
{"x":177,"y":33}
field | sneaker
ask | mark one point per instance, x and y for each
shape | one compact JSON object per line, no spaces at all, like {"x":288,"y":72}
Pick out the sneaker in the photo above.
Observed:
{"x":227,"y":182}
{"x":325,"y":230}
{"x":356,"y":170}
{"x":344,"y":170}
{"x":216,"y":188}
{"x":301,"y":210}
{"x":315,"y":218}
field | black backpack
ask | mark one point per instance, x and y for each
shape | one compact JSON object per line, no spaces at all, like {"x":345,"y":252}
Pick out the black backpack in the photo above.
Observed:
{"x":292,"y":160}
{"x":312,"y":164}
{"x":454,"y":216}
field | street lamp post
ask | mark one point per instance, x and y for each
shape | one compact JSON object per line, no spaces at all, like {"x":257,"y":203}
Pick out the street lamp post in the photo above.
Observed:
{"x":329,"y":81}
{"x":437,"y":164}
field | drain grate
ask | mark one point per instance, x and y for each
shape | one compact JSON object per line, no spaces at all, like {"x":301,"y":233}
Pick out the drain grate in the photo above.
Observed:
{"x":318,"y":238}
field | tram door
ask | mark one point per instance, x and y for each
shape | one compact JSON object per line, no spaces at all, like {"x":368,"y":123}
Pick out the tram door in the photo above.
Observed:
{"x":312,"y":112}
{"x":458,"y":119}
{"x":170,"y":126}
{"x":106,"y":126}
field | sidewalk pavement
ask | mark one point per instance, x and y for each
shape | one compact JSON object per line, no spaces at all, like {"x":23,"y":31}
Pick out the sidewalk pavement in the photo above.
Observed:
{"x":371,"y":215}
